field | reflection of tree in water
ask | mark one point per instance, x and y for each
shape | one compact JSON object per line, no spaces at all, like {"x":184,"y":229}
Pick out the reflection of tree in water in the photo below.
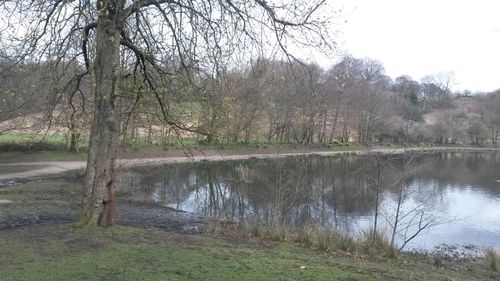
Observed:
{"x":461,"y":169}
{"x":331,"y":192}
{"x":163,"y":184}
{"x":219,"y":192}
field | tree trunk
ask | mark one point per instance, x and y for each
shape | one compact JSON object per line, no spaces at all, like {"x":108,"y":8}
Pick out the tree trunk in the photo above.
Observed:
{"x":73,"y":142}
{"x":377,"y":199}
{"x":98,"y":206}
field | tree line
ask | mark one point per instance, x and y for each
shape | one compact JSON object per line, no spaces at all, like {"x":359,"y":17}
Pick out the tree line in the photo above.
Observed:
{"x":267,"y":100}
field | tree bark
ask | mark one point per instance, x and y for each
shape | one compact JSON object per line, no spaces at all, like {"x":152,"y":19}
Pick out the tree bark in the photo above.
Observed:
{"x":98,"y":206}
{"x":73,"y":142}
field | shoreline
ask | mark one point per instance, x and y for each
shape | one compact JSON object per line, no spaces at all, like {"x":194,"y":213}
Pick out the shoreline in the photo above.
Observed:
{"x":126,"y":163}
{"x":58,"y":167}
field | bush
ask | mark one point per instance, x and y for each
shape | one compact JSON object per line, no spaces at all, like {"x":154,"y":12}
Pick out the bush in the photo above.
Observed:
{"x":492,"y":258}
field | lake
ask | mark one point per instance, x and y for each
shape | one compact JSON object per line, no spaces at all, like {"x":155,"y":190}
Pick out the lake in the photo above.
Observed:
{"x":451,"y":198}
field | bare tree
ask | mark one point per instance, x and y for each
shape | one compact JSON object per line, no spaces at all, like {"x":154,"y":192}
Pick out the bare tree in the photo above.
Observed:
{"x":370,"y":99}
{"x":409,"y":218}
{"x":377,"y":182}
{"x":164,"y":38}
{"x":489,"y":106}
{"x":340,"y":84}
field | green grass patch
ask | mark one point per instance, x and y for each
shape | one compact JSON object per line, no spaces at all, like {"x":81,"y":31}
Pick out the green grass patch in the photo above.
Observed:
{"x":54,"y":139}
{"x":124,"y":253}
{"x":134,"y":254}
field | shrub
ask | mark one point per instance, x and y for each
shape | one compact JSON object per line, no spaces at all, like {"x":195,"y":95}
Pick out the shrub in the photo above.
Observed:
{"x":491,"y":258}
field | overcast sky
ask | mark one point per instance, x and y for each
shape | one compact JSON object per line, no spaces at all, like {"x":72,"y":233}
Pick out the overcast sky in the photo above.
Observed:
{"x":420,"y":37}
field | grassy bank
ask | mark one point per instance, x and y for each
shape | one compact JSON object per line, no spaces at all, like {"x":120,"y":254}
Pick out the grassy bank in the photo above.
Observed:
{"x":51,"y":249}
{"x":58,"y":252}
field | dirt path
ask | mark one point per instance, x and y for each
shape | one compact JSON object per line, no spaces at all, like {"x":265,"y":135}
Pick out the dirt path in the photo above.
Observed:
{"x":32,"y":169}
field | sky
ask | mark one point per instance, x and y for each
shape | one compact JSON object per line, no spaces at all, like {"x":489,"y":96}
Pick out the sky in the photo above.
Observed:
{"x":425,"y":37}
{"x":421,"y":37}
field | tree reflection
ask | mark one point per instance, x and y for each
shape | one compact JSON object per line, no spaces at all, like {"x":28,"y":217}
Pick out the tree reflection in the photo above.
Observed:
{"x":346,"y":194}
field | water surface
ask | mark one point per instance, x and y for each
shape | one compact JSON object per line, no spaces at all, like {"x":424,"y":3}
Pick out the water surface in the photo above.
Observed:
{"x":454,"y":198}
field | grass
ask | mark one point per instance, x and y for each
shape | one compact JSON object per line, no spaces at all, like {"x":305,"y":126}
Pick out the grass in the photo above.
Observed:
{"x":136,"y":254}
{"x":59,"y":252}
{"x":318,"y":238}
{"x":33,"y":148}
{"x":51,"y":251}
{"x":25,"y":138}
{"x":492,"y":258}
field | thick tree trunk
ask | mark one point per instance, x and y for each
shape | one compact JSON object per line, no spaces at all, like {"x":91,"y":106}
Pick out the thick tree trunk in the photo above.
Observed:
{"x":98,"y":206}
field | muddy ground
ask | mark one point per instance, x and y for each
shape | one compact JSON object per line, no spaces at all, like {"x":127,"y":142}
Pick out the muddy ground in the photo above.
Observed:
{"x":57,"y":201}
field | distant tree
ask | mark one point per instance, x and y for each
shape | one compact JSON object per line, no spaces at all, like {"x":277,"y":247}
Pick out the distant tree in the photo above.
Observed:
{"x":281,"y":99}
{"x":465,"y":93}
{"x":477,"y":132}
{"x":25,"y":91}
{"x":340,"y":85}
{"x":308,"y":83}
{"x":410,"y":90}
{"x":489,"y":107}
{"x":370,"y":99}
{"x":436,"y":89}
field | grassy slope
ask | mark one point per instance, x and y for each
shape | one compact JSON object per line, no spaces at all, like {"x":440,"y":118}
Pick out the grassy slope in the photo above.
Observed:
{"x":59,"y":252}
{"x":62,"y":253}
